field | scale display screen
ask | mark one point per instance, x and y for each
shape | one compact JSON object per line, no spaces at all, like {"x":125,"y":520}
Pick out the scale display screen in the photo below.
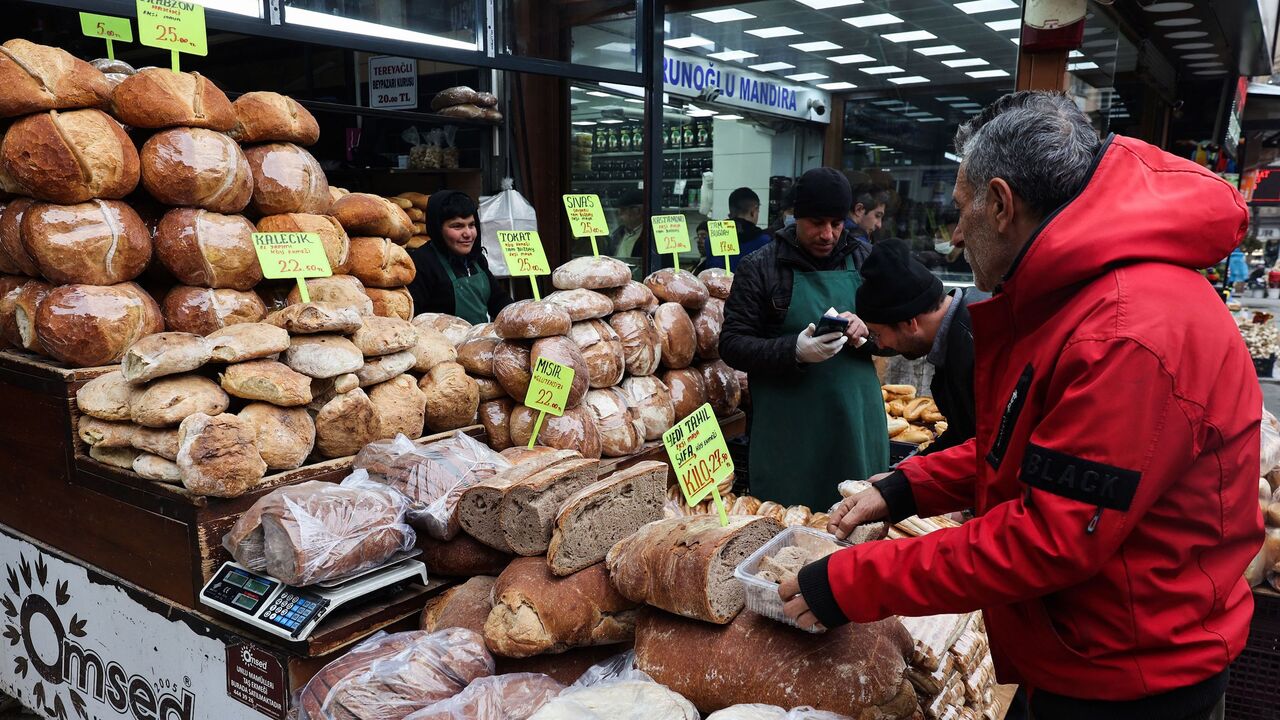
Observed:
{"x":240,"y":590}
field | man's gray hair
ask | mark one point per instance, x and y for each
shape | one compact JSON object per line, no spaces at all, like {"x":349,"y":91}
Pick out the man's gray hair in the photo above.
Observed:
{"x":1038,"y":142}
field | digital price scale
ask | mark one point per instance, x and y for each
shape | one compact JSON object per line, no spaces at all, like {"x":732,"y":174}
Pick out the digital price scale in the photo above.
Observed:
{"x":292,"y":612}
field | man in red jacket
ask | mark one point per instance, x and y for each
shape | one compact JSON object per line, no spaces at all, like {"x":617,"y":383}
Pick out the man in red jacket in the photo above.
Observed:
{"x":1114,"y":470}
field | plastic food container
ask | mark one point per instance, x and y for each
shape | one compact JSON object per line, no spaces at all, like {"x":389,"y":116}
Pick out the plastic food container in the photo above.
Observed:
{"x":762,"y":595}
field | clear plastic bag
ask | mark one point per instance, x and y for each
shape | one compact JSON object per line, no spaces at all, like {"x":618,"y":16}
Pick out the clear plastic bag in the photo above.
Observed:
{"x":318,"y":531}
{"x":449,"y":156}
{"x":498,"y":697}
{"x":1269,"y":458}
{"x":756,"y":711}
{"x":431,"y":476}
{"x":388,"y":677}
{"x":507,"y":210}
{"x":618,"y":667}
{"x":618,"y":700}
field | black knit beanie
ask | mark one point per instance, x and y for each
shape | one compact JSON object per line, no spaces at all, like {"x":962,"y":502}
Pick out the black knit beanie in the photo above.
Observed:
{"x":823,"y":193}
{"x":895,"y":286}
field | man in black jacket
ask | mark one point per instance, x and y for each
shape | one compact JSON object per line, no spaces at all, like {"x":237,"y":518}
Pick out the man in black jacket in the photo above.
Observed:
{"x":907,"y":311}
{"x":453,"y":276}
{"x":817,"y":412}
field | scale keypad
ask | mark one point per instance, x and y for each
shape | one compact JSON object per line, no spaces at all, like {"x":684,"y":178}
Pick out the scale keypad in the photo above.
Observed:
{"x":293,"y":611}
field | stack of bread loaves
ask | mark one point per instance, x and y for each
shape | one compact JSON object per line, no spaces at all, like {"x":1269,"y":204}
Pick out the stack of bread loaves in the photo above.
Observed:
{"x":463,"y":102}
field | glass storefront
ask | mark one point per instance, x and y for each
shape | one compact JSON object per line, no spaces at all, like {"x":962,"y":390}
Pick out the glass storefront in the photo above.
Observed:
{"x":445,"y":23}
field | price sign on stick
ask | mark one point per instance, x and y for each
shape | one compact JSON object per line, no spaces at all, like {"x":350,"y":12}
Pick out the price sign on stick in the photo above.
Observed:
{"x":548,"y":391}
{"x":292,"y":255}
{"x":723,"y":236}
{"x":174,"y":25}
{"x":700,"y":457}
{"x":108,"y":28}
{"x":586,"y":218}
{"x":522,"y":249}
{"x":671,"y":235}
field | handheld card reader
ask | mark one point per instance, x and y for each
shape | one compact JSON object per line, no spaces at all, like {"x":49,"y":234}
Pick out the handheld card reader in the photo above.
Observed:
{"x":291,"y":612}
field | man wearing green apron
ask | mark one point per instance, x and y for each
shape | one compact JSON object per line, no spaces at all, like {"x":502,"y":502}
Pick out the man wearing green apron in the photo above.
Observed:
{"x":453,"y":276}
{"x":817,"y":411}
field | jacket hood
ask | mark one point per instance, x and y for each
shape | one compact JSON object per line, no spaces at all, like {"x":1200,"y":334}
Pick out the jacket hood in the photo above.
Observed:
{"x":435,"y":224}
{"x":1139,"y":205}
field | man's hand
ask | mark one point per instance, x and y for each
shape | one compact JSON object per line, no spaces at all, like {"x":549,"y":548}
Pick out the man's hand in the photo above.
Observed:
{"x":867,"y":506}
{"x":794,"y":605}
{"x":857,"y":331}
{"x":810,"y":349}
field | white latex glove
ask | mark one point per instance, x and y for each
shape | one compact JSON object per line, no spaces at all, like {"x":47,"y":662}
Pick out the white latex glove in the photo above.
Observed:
{"x":810,"y":349}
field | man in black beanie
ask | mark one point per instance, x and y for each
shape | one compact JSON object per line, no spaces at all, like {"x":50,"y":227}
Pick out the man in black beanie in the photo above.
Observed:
{"x":817,"y":411}
{"x":906,"y":310}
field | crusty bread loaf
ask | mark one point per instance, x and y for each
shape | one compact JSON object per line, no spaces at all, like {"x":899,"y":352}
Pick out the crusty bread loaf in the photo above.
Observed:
{"x":677,"y":335}
{"x":208,"y":249}
{"x":512,"y":367}
{"x":495,"y":415}
{"x":267,"y":381}
{"x":284,"y":436}
{"x":384,"y":367}
{"x":317,"y":317}
{"x":160,"y":98}
{"x":707,"y":324}
{"x":535,"y":612}
{"x":70,"y":157}
{"x":452,"y":397}
{"x":246,"y":341}
{"x":650,"y":401}
{"x":463,"y":556}
{"x":592,"y":520}
{"x":35,"y":77}
{"x":338,"y":290}
{"x":380,"y":263}
{"x":323,"y":356}
{"x":166,"y":353}
{"x":287,"y":179}
{"x":391,"y":302}
{"x":685,"y":565}
{"x":370,"y":215}
{"x":105,"y":433}
{"x":525,"y":319}
{"x":204,"y":310}
{"x":196,"y":167}
{"x":272,"y":117}
{"x":591,"y":272}
{"x":465,"y":606}
{"x":431,"y":349}
{"x":26,"y":310}
{"x":154,"y":467}
{"x":162,"y":442}
{"x":641,"y":345}
{"x":476,"y":355}
{"x":384,"y":336}
{"x":621,"y":432}
{"x":528,"y":511}
{"x":337,"y":246}
{"x":574,"y":430}
{"x":346,"y":424}
{"x":399,"y":407}
{"x":169,"y":400}
{"x":99,"y":242}
{"x":15,"y":250}
{"x":688,"y":391}
{"x":108,"y":397}
{"x":451,"y":326}
{"x":218,"y":455}
{"x":632,"y":296}
{"x":723,"y":391}
{"x":718,"y":282}
{"x":582,"y":304}
{"x":10,"y":286}
{"x":460,"y":95}
{"x":122,"y":458}
{"x":564,"y":351}
{"x":679,"y":286}
{"x":90,"y":325}
{"x":480,"y":505}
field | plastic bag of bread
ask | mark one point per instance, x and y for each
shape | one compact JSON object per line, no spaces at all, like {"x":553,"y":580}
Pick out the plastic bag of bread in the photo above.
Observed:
{"x":630,"y":699}
{"x":1269,"y":458}
{"x":319,"y":531}
{"x":431,"y":476}
{"x":498,"y":697}
{"x":757,"y":711}
{"x":391,"y":676}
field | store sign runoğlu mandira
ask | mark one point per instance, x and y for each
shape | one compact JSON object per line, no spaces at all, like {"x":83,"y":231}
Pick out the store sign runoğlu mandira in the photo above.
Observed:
{"x":393,"y":82}
{"x":689,"y":75}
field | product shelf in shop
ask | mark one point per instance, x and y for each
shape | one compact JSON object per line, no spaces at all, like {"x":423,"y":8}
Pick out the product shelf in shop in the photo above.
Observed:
{"x":1253,"y":689}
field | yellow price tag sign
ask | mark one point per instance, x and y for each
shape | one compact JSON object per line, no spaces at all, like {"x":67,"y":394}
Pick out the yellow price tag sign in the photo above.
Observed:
{"x":586,"y":218}
{"x":522,"y":249}
{"x":670,"y":233}
{"x":723,"y":237}
{"x":292,"y":255}
{"x":175,"y":25}
{"x":548,"y":391}
{"x":108,"y":28}
{"x":699,"y":457}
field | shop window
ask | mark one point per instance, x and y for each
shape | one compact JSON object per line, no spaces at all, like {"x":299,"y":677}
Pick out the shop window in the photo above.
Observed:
{"x":445,"y":23}
{"x":607,"y":146}
{"x":599,"y":34}
{"x":1103,"y":76}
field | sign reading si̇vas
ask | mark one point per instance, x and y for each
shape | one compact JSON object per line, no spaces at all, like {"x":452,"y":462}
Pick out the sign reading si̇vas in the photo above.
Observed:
{"x":586,"y":217}
{"x":698,"y":454}
{"x":172,"y":25}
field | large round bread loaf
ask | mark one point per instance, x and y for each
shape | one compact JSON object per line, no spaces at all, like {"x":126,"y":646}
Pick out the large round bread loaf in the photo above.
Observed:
{"x":495,"y":415}
{"x":337,"y":246}
{"x":431,"y":349}
{"x":676,"y":332}
{"x":161,"y":98}
{"x":650,"y":400}
{"x":688,"y":391}
{"x":197,"y":168}
{"x":452,"y":397}
{"x":380,"y":263}
{"x":287,"y":179}
{"x":10,"y":285}
{"x":476,"y":355}
{"x":323,"y":356}
{"x":391,"y":302}
{"x":272,"y":117}
{"x":339,"y":289}
{"x":466,"y":606}
{"x":108,"y":397}
{"x":707,"y":324}
{"x":592,"y":273}
{"x":562,"y":350}
{"x":526,"y":319}
{"x":374,"y":216}
{"x":164,"y":353}
{"x":463,"y":556}
{"x":680,"y":286}
{"x":100,"y":242}
{"x":582,"y":304}
{"x":90,"y":325}
{"x":384,"y":336}
{"x":169,"y":400}
{"x":641,"y":345}
{"x":203,"y":310}
{"x":621,"y":432}
{"x":207,"y":249}
{"x":70,"y":157}
{"x":246,"y":341}
{"x":602,"y":349}
{"x":285,"y":436}
{"x":7,"y":265}
{"x":453,"y":327}
{"x":34,"y":78}
{"x":26,"y":309}
{"x":346,"y":424}
{"x":511,"y":366}
{"x":19,"y":260}
{"x":399,"y":407}
{"x":318,"y":317}
{"x":632,"y":296}
{"x":490,"y":389}
{"x":723,"y":391}
{"x":718,"y":282}
{"x":218,"y":455}
{"x":575,"y":430}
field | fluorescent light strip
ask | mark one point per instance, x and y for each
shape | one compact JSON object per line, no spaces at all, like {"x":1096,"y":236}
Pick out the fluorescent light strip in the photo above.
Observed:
{"x":825,"y":4}
{"x":770,"y":67}
{"x":952,"y":98}
{"x":837,"y":86}
{"x":732,"y":55}
{"x":1082,"y":66}
{"x":806,"y":77}
{"x":966,"y":105}
{"x":688,"y":42}
{"x":584,"y":122}
{"x":597,"y":93}
{"x":951,"y":156}
{"x":699,"y":112}
{"x":908,"y":80}
{"x":930,"y":119}
{"x":1075,"y":54}
{"x":611,"y":122}
{"x":720,"y":16}
{"x":866,"y":21}
{"x":1003,"y":25}
{"x":966,"y":62}
{"x":817,"y":46}
{"x":981,"y":6}
{"x":847,"y":59}
{"x":773,"y":32}
{"x":887,"y":103}
{"x":988,"y":73}
{"x":252,"y":8}
{"x":324,"y":21}
{"x":882,"y":70}
{"x":728,"y":117}
{"x":918,"y":114}
{"x":635,"y":90}
{"x":910,"y":36}
{"x":940,"y":50}
{"x":617,"y":47}
{"x":637,"y":101}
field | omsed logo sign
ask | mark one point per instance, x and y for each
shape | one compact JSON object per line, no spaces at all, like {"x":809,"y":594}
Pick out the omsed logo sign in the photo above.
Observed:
{"x":49,"y":649}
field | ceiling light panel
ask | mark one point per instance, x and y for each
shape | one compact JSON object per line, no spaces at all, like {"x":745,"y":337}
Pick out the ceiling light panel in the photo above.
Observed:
{"x":770,"y":67}
{"x":982,"y":6}
{"x":807,"y":77}
{"x":818,"y":46}
{"x":1003,"y":25}
{"x":837,"y":86}
{"x":825,"y":4}
{"x":1082,"y":66}
{"x":1177,"y":22}
{"x":773,"y":32}
{"x":732,"y":55}
{"x":1200,"y":56}
{"x":908,"y":80}
{"x":1075,"y":54}
{"x":910,"y":36}
{"x":939,"y":50}
{"x":1186,"y":34}
{"x":688,"y":42}
{"x":988,"y":73}
{"x":848,"y":59}
{"x":882,"y":70}
{"x":930,"y":119}
{"x":952,"y":98}
{"x":965,"y":62}
{"x":866,"y":21}
{"x":728,"y":15}
{"x":597,"y":93}
{"x":728,"y":117}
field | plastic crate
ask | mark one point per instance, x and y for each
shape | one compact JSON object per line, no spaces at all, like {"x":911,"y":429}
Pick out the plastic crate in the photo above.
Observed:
{"x":1253,"y":691}
{"x":762,"y":595}
{"x":1264,"y":366}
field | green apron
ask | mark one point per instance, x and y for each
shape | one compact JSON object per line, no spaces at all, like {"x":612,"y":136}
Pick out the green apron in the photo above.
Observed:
{"x":470,"y":294}
{"x":810,"y":432}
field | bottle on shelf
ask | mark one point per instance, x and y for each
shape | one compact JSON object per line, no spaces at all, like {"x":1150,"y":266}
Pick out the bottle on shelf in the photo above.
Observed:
{"x":637,"y":138}
{"x":613,"y":140}
{"x":687,"y":136}
{"x":703,"y":133}
{"x":624,"y":140}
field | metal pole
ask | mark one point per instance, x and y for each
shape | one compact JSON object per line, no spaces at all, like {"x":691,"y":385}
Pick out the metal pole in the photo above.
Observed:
{"x":649,"y":42}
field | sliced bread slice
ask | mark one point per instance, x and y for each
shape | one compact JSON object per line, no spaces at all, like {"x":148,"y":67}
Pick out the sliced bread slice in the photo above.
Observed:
{"x":480,"y":504}
{"x":530,"y":506}
{"x":603,"y":513}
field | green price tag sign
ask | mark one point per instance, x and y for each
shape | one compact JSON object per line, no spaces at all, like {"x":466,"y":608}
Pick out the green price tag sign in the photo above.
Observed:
{"x":106,"y":27}
{"x":522,"y":249}
{"x":176,"y":25}
{"x":292,"y":255}
{"x":723,"y":237}
{"x":671,"y":233}
{"x":699,"y":457}
{"x":586,"y":218}
{"x":548,"y":391}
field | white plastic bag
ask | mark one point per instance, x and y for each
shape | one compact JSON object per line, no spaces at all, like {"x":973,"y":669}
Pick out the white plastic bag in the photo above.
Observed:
{"x":756,"y":711}
{"x":618,"y":667}
{"x":508,"y":210}
{"x":498,"y":697}
{"x":618,"y":700}
{"x":1269,"y":458}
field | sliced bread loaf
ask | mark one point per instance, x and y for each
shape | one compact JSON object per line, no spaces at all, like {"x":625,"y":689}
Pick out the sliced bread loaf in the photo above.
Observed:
{"x":529,"y":507}
{"x":465,"y":606}
{"x":480,"y":504}
{"x":604,"y":512}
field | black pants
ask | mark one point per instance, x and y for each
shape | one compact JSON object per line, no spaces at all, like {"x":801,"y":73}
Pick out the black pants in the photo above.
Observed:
{"x":1202,"y":701}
